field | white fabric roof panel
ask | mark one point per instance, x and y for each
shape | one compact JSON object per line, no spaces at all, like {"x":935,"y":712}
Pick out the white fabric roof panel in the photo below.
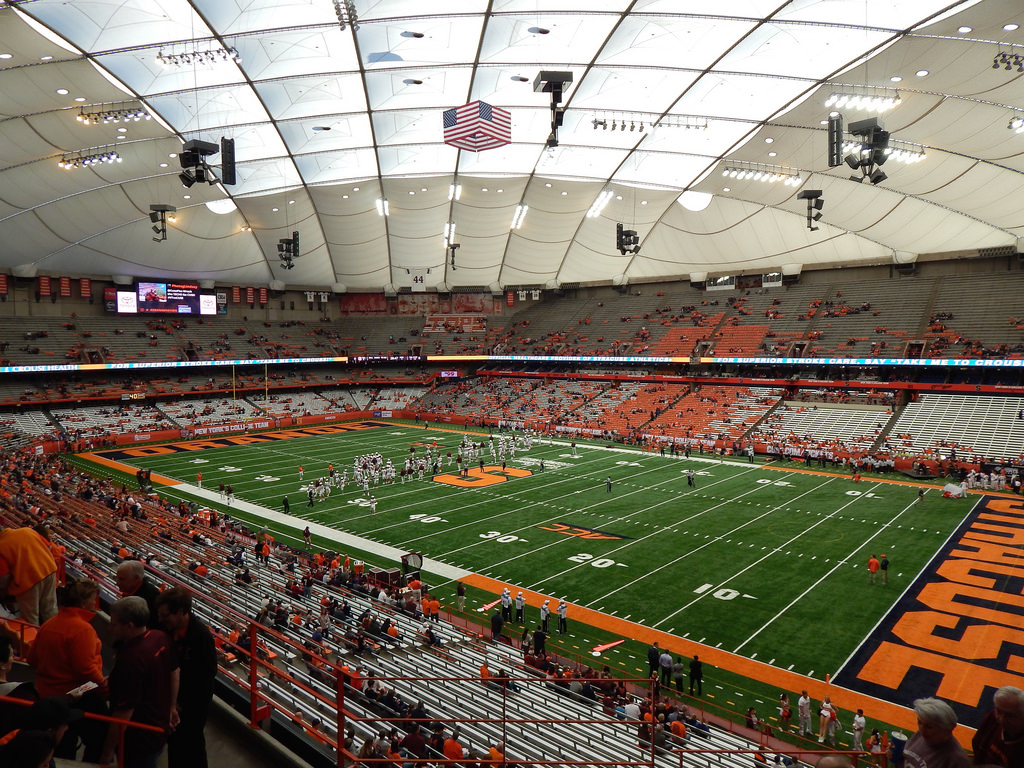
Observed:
{"x":324,"y":96}
{"x":750,"y":70}
{"x":321,"y":51}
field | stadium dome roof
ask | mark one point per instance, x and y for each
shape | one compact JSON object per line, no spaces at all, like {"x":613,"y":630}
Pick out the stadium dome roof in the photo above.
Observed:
{"x":337,"y":105}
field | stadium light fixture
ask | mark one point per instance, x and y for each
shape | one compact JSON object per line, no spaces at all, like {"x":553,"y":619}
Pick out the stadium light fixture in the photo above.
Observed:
{"x":763,"y":172}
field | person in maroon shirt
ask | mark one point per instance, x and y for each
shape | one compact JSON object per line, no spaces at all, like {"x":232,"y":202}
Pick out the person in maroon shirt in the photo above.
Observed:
{"x":143,"y":686}
{"x":999,"y":739}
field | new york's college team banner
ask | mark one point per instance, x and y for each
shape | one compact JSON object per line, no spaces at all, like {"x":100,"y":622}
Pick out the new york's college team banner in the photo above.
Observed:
{"x":958,"y":632}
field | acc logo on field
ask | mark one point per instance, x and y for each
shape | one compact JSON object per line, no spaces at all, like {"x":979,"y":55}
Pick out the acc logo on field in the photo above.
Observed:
{"x":580,"y":532}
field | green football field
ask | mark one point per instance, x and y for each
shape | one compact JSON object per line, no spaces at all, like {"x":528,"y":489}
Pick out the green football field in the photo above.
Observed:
{"x":765,"y":563}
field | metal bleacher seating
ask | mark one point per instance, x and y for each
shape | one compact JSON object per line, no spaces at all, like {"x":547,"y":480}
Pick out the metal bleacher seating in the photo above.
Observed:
{"x":975,"y":425}
{"x":853,"y":426}
{"x":542,"y":720}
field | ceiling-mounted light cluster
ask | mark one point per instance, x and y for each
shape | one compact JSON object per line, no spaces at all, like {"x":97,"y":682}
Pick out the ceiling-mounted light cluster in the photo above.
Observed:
{"x":115,"y":112}
{"x":869,"y":100}
{"x":639,"y":122}
{"x":686,"y":122}
{"x":382,"y":207}
{"x":87,"y":157}
{"x":1008,"y":61}
{"x":619,"y":124}
{"x":900,"y":151}
{"x":905,"y":152}
{"x":188,"y":58}
{"x":347,"y":14}
{"x":741,"y":171}
{"x":1016,"y":124}
{"x":449,"y":233}
{"x":454,"y":191}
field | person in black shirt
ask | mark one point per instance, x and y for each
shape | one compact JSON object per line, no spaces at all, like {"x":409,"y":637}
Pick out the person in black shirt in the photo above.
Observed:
{"x":697,"y":675}
{"x":197,"y":660}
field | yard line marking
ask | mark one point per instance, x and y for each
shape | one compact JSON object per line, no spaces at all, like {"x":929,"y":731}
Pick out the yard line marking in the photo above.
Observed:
{"x":828,"y":573}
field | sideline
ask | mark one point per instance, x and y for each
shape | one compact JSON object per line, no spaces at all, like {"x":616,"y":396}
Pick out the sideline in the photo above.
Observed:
{"x":876,"y":709}
{"x":877,"y":478}
{"x":344,"y":540}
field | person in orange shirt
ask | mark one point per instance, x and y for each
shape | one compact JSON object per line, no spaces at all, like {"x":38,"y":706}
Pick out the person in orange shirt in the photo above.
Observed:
{"x":496,"y":753}
{"x":415,"y":586}
{"x":678,"y":728}
{"x":66,"y":655}
{"x":427,"y":606}
{"x":28,"y":573}
{"x":57,"y":550}
{"x":453,"y":750}
{"x":873,"y":566}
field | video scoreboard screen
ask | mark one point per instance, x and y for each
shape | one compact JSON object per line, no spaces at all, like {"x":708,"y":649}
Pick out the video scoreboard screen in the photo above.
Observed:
{"x":387,"y":359}
{"x":153,"y":298}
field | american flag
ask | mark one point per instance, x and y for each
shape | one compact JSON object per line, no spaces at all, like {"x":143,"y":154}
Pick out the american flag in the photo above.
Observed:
{"x":477,"y":126}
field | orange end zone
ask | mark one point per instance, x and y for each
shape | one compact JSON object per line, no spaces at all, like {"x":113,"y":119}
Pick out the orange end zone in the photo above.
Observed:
{"x":110,"y":464}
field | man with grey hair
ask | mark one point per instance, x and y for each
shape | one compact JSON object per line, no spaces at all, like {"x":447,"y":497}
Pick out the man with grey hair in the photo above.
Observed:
{"x":143,"y":685}
{"x":132,"y":581}
{"x":933,"y":746}
{"x":1000,"y":737}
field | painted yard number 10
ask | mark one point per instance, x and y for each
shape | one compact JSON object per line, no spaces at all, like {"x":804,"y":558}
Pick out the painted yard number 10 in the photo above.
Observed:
{"x":722,"y":594}
{"x":597,"y":562}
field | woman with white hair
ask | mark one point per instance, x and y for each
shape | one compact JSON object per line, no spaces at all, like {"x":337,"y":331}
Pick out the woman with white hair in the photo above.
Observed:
{"x":933,"y":746}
